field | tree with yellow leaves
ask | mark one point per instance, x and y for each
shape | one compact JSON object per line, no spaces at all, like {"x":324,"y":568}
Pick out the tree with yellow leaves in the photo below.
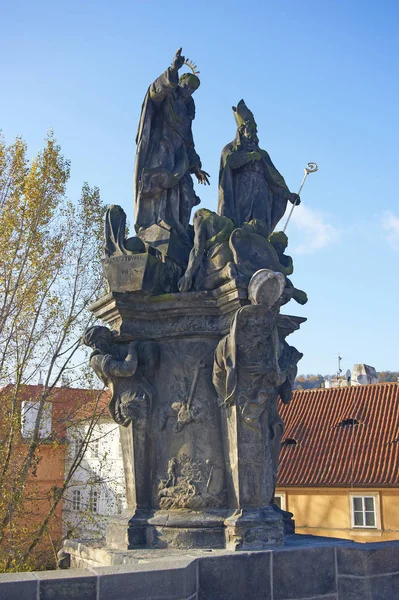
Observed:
{"x":50,"y":271}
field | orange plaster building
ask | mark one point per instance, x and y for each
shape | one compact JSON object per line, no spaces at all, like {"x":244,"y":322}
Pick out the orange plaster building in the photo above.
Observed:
{"x":64,"y":407}
{"x":339,"y":462}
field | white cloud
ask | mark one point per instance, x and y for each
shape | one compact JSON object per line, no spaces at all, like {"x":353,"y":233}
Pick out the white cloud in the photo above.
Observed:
{"x":390,"y":224}
{"x":317,"y":233}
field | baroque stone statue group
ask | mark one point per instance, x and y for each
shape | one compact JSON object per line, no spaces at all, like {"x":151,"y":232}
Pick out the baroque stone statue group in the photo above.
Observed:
{"x":194,"y":353}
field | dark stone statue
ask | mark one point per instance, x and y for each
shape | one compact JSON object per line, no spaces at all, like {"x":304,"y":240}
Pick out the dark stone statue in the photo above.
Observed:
{"x":222,"y":252}
{"x":116,"y":243}
{"x":250,"y":187}
{"x":119,"y":370}
{"x":196,"y":378}
{"x":279,"y":241}
{"x":166,"y":156}
{"x":211,"y":260}
{"x":247,"y":377}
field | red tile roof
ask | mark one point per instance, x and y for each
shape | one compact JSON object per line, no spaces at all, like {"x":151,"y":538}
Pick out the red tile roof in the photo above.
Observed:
{"x":330,"y":454}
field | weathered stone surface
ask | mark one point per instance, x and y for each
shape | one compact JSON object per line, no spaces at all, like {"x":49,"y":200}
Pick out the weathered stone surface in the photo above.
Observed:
{"x":141,"y":272}
{"x":171,"y":315}
{"x":65,"y":585}
{"x":385,"y":587}
{"x":177,"y":448}
{"x":187,"y":529}
{"x":371,"y":559}
{"x":18,"y":586}
{"x":166,"y":243}
{"x":169,"y":580}
{"x":355,"y":588}
{"x":305,"y":569}
{"x":303,"y":573}
{"x":244,"y":575}
{"x":248,"y":529}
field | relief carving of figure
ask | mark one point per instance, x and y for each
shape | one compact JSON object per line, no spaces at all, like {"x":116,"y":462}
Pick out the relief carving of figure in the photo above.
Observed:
{"x":250,"y":187}
{"x":246,"y":366}
{"x":191,"y":484}
{"x":121,"y":372}
{"x":166,"y":156}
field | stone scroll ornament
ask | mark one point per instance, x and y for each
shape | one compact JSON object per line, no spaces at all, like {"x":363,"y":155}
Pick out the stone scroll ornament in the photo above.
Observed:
{"x":118,"y":368}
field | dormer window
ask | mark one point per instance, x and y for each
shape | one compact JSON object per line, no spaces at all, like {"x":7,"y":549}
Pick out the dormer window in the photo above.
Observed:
{"x":290,"y":442}
{"x":349,"y":423}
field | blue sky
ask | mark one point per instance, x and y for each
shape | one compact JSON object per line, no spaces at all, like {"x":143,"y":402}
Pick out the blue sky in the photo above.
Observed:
{"x":322,"y":81}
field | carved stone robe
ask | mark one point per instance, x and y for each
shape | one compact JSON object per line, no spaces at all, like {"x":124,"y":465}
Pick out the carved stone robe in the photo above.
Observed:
{"x":163,"y":187}
{"x":255,"y":190}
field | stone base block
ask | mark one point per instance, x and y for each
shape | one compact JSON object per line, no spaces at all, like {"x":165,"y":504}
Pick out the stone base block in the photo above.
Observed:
{"x":254,"y":529}
{"x":187,"y":529}
{"x":128,"y":533}
{"x":182,"y":529}
{"x":167,"y":243}
{"x":308,"y":567}
{"x":142,"y":273}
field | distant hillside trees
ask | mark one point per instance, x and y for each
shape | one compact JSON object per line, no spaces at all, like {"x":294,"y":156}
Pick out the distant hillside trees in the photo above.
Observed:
{"x":387,"y":376}
{"x":308,"y":382}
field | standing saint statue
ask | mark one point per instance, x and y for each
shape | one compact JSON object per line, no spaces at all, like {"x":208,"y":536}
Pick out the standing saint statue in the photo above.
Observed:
{"x":250,"y":187}
{"x":166,"y":156}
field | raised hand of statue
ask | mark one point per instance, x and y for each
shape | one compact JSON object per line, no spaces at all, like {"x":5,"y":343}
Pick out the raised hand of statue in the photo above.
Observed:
{"x":294,"y":198}
{"x":202,"y":176}
{"x":178,"y":60}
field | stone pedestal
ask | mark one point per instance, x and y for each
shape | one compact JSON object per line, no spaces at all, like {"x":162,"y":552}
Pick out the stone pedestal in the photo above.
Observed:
{"x":197,"y":476}
{"x":173,"y":454}
{"x":254,"y":529}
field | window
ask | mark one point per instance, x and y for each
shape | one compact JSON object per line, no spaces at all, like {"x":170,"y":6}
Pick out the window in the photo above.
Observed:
{"x":348,"y":423}
{"x":95,"y":447}
{"x":29,"y":415}
{"x":77,"y":445}
{"x":120,"y":454}
{"x":279,"y":500}
{"x":76,"y":499}
{"x":364,"y":511}
{"x":93,"y":501}
{"x":290,"y":442}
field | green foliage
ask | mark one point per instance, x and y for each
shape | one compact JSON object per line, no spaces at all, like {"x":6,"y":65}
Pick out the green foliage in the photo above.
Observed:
{"x":387,"y":376}
{"x":308,"y":382}
{"x":50,"y":271}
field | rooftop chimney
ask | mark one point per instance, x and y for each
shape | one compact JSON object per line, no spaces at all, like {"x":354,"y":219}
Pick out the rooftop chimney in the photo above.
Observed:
{"x":363,"y":374}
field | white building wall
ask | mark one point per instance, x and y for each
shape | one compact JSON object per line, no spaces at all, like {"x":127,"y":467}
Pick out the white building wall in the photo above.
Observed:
{"x":97,"y":488}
